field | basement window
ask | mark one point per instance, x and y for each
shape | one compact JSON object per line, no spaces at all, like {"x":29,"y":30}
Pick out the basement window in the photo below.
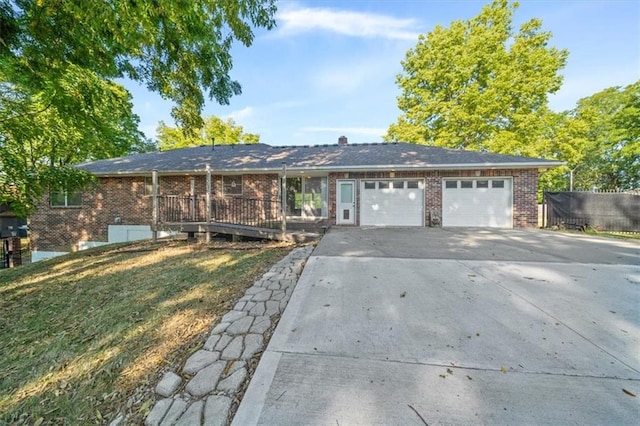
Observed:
{"x":65,"y":199}
{"x":232,"y":185}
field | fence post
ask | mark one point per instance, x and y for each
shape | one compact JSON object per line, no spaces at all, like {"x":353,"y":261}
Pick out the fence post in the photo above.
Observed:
{"x":154,"y":213}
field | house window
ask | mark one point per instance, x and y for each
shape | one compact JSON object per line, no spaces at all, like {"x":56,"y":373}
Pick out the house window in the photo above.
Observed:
{"x":383,"y":184}
{"x":369,"y":185}
{"x":148,"y":186}
{"x":307,"y":197}
{"x":482,"y":184}
{"x":466,"y":184}
{"x":232,"y":185}
{"x":413,"y":184}
{"x":497,"y":184}
{"x":65,"y":199}
{"x":451,"y":184}
{"x":398,"y":184}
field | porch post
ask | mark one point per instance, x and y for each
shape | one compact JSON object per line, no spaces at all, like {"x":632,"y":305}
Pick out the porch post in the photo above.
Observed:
{"x":192,"y":200}
{"x":208,"y":203}
{"x":284,"y":197}
{"x":154,"y":212}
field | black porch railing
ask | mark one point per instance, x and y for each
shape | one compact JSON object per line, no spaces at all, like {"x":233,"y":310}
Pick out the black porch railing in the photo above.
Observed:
{"x":263,"y":213}
{"x":12,"y":253}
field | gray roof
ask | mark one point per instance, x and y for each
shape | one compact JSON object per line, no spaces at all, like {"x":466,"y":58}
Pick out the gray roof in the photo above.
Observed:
{"x":258,"y":158}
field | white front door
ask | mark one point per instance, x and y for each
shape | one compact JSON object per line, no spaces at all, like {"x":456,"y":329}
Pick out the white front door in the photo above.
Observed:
{"x":346,"y":202}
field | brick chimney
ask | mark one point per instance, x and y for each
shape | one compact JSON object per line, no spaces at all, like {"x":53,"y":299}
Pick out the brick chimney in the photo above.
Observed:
{"x":342,"y":141}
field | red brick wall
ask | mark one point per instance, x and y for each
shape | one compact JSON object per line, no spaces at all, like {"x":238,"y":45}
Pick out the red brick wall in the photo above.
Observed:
{"x":525,"y":187}
{"x":60,"y":228}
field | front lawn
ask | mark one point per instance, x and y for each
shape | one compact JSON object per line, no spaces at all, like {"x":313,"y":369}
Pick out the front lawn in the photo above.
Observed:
{"x":84,"y":335}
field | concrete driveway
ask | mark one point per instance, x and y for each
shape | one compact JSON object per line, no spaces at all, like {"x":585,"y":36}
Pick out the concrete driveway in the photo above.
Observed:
{"x":464,"y":326}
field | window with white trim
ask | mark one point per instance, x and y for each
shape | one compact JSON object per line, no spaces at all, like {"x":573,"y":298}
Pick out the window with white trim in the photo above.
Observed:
{"x":232,"y":185}
{"x":65,"y":199}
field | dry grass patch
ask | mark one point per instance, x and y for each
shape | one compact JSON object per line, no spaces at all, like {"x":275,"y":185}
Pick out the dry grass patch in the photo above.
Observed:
{"x":79,"y":334}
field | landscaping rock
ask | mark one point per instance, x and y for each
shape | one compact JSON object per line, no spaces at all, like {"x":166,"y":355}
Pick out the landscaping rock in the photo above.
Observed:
{"x":263,"y":296}
{"x":241,"y":326}
{"x":223,"y":342}
{"x":199,"y":360}
{"x":232,"y":316}
{"x":220,"y":328}
{"x":193,"y":415}
{"x":211,"y":342}
{"x":252,"y":344}
{"x":174,"y":413}
{"x":260,"y":325}
{"x":157,"y":413}
{"x":234,"y":349}
{"x":232,"y":383}
{"x":168,"y":385}
{"x":206,"y":380}
{"x":216,"y":410}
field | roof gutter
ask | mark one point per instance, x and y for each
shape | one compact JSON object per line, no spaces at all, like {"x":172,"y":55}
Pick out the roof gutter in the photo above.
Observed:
{"x":459,"y":166}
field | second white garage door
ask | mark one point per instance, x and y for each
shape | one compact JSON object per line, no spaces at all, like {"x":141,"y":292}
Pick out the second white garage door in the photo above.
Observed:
{"x":477,"y":202}
{"x":392,"y":203}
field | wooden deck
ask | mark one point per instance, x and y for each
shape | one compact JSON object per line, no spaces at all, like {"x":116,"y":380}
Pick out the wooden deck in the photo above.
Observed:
{"x":238,"y":231}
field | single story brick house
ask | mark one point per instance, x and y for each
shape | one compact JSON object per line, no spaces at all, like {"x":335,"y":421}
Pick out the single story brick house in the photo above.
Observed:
{"x":378,"y":184}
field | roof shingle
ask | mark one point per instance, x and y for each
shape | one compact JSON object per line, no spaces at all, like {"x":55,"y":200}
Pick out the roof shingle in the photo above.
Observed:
{"x":263,"y":158}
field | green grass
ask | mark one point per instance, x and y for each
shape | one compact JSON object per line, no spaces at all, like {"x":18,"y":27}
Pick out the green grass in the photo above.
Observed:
{"x":80,"y":334}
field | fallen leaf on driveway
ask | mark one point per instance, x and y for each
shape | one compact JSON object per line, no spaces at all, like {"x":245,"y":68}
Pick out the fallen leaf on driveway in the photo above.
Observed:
{"x":403,"y":294}
{"x":629,"y":392}
{"x":503,"y":370}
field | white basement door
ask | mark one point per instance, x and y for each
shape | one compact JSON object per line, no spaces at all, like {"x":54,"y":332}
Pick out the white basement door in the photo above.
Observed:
{"x":477,"y":202}
{"x":392,"y":202}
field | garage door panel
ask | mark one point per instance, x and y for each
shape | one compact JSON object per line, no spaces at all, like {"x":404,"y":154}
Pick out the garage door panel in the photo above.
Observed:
{"x":486,"y":207}
{"x":392,"y":206}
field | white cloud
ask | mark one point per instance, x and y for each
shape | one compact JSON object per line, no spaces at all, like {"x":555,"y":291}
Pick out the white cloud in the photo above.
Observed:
{"x":346,"y":76}
{"x":241,"y":114}
{"x":367,"y":131}
{"x":354,"y":24}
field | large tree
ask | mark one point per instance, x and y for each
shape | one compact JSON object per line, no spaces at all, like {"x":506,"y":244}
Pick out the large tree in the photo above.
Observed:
{"x":215,"y":130}
{"x":600,"y":141}
{"x":478,"y":84}
{"x":57,"y":58}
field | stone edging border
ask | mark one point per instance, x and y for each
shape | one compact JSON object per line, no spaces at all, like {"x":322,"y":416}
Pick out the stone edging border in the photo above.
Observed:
{"x":219,"y":370}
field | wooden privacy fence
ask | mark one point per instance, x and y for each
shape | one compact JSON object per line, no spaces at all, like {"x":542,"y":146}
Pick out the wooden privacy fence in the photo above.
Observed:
{"x":606,"y":211}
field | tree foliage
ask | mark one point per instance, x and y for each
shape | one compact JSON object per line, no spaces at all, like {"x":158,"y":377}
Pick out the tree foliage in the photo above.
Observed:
{"x":600,"y":141}
{"x":58,"y":104}
{"x":214,"y":130}
{"x":480,"y":85}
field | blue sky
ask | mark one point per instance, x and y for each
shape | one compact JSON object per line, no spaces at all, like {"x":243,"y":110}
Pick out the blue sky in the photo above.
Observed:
{"x":329,"y":67}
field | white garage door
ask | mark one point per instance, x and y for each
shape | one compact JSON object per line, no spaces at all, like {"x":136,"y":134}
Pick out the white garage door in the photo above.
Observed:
{"x":477,"y":202}
{"x":392,"y":202}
